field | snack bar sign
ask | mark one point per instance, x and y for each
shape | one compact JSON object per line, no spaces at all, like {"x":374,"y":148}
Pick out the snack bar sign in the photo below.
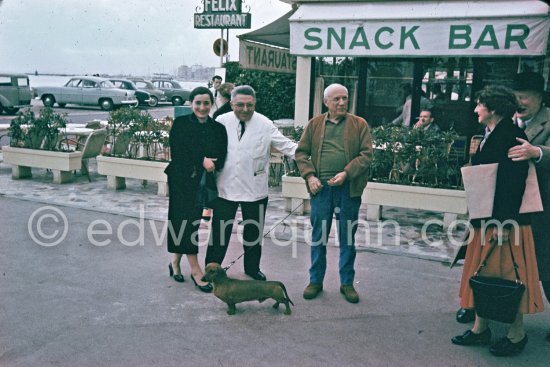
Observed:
{"x":479,"y":37}
{"x":223,"y":14}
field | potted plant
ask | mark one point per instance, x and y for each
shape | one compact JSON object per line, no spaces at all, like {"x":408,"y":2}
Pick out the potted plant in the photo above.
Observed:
{"x":411,"y":168}
{"x":416,"y":169}
{"x":35,"y":142}
{"x":138,"y":149}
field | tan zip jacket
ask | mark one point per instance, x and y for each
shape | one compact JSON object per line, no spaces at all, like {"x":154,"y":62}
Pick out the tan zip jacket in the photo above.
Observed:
{"x":357,"y":148}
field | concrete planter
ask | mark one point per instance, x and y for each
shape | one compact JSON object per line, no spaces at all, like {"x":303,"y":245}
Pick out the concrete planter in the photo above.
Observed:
{"x":118,"y":169}
{"x":62,"y":164}
{"x":295,"y":192}
{"x":450,"y":202}
{"x":376,"y":195}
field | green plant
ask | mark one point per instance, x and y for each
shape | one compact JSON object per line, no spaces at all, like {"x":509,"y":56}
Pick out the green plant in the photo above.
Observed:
{"x":137,"y":135}
{"x":42,"y":132}
{"x":415,"y":157}
{"x":274,"y":91}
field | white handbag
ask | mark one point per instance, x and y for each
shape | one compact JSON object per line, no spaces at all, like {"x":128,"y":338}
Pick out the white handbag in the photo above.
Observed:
{"x":480,"y":183}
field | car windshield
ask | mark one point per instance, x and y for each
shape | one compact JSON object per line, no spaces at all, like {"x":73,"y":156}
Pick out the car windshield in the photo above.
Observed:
{"x":73,"y":83}
{"x":175,"y":84}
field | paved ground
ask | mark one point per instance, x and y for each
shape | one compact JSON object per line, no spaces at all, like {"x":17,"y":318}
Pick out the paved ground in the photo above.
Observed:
{"x":106,"y":299}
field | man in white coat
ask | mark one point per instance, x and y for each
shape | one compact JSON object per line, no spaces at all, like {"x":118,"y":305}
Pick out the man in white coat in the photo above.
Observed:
{"x":244,"y":179}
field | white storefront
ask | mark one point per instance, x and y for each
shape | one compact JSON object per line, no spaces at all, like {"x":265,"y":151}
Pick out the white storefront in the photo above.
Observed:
{"x":413,"y":30}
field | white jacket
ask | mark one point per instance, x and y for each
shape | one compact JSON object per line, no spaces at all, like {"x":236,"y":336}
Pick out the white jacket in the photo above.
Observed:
{"x":246,"y":170}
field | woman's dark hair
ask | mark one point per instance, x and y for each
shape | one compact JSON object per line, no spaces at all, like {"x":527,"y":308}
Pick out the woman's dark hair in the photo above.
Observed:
{"x":200,"y":90}
{"x":499,"y":99}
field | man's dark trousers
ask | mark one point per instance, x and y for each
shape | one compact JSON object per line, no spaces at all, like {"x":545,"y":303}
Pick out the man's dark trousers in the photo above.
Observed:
{"x":253,"y":214}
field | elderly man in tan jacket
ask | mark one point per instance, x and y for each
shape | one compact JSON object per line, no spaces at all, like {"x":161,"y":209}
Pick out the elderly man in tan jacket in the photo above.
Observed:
{"x":333,"y":156}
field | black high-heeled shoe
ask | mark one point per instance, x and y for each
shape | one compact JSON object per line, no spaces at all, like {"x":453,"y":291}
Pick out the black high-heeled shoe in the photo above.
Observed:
{"x":205,"y":288}
{"x":177,"y":277}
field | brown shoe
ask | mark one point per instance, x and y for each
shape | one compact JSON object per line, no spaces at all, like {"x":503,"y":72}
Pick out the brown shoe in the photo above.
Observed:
{"x":312,"y":290}
{"x":349,"y":293}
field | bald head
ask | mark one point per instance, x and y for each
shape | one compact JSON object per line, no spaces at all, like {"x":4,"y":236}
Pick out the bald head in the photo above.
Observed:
{"x":333,"y":87}
{"x":335,"y":98}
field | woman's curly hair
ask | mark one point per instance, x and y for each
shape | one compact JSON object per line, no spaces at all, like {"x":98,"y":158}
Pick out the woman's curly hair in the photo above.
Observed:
{"x":499,"y":99}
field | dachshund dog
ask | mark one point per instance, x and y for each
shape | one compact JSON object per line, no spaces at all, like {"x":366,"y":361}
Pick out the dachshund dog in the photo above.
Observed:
{"x":233,"y":291}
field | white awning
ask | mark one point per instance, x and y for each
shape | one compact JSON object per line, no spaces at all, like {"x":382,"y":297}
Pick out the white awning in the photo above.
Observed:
{"x":421,"y":28}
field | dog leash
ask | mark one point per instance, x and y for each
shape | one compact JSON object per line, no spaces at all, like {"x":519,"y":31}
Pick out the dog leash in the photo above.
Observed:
{"x":265,"y":235}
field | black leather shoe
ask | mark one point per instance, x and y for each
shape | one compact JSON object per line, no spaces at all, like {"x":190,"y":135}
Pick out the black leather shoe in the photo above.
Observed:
{"x":207,"y":288}
{"x":177,"y":277}
{"x":471,"y":338}
{"x":465,"y":315}
{"x":505,"y":348}
{"x":257,"y":275}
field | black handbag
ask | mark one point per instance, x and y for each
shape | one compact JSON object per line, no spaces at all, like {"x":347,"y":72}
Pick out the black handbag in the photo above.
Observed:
{"x":208,"y":191}
{"x":495,"y":298}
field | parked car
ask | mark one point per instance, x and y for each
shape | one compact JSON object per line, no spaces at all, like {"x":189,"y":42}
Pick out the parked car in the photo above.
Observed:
{"x":173,"y":90}
{"x":87,"y":90}
{"x":156,"y":94}
{"x":143,"y":97}
{"x":15,"y":92}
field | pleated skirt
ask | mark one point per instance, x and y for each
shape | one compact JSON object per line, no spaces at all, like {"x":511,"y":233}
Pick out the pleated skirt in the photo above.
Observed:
{"x":500,"y":265}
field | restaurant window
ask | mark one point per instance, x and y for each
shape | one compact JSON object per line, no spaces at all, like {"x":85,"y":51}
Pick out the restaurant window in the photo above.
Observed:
{"x":329,"y":70}
{"x":384,"y":97}
{"x":447,"y":83}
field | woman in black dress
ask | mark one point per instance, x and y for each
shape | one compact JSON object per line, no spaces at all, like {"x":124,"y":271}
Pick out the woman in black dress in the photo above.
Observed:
{"x":198,"y":144}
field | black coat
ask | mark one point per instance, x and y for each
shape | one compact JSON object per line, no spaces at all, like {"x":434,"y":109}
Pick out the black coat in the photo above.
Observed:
{"x":190,"y":142}
{"x":225,"y":108}
{"x":511,"y":175}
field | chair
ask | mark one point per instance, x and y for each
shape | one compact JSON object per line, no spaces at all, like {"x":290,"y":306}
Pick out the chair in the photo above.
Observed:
{"x":276,"y":168}
{"x":457,"y":151}
{"x":92,"y":148}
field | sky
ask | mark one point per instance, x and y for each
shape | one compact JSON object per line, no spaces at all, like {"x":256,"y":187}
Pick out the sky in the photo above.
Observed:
{"x":138,"y":37}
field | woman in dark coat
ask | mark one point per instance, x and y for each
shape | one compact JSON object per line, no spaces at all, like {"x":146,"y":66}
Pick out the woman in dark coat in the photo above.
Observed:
{"x":495,"y":107}
{"x":198,"y":144}
{"x":225,"y":97}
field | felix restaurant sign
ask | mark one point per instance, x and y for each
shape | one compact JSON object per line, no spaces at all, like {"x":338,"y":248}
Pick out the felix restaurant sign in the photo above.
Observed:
{"x":421,"y":38}
{"x":222,"y":14}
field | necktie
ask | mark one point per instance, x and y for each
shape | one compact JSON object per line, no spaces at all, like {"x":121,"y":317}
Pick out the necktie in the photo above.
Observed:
{"x":243,"y":127}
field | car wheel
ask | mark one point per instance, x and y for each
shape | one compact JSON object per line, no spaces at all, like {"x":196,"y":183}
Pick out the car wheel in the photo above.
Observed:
{"x":153,"y":101}
{"x":10,"y":111}
{"x":48,"y":100}
{"x":62,"y":105}
{"x":106,"y":104}
{"x":177,"y":101}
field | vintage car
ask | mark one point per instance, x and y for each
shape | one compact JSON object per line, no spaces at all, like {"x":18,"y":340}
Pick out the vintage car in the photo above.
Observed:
{"x":15,"y":92}
{"x":143,"y":97}
{"x":156,"y":95}
{"x":87,"y":90}
{"x":173,"y":90}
